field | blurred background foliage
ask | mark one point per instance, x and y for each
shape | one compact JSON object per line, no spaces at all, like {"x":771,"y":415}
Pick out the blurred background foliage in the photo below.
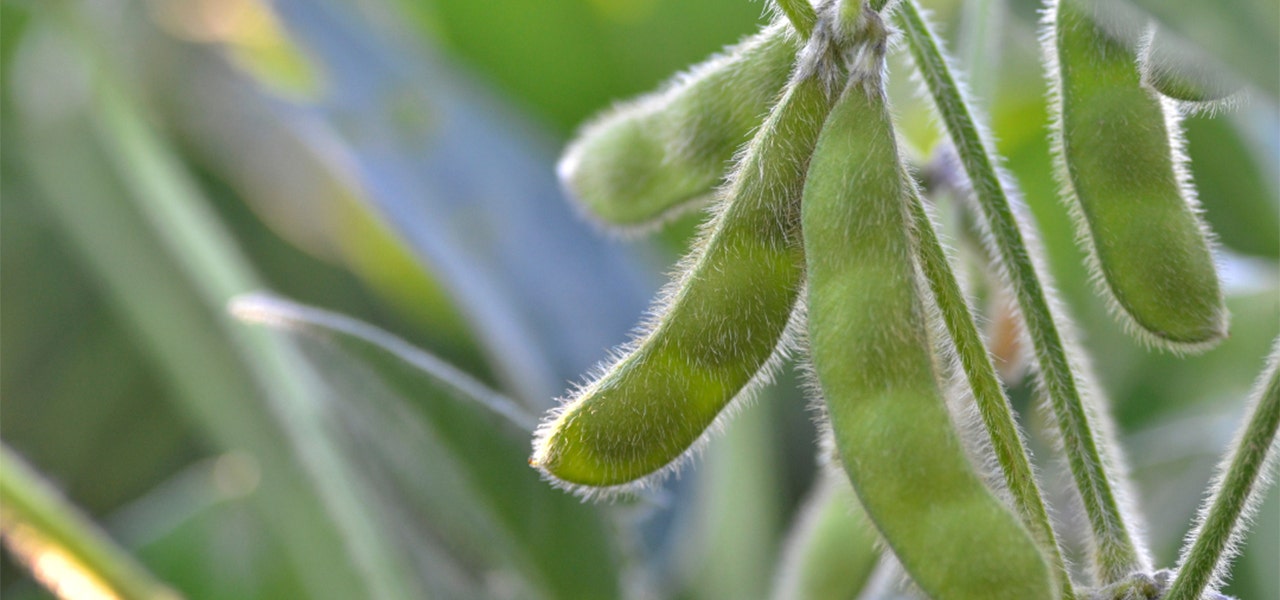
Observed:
{"x":392,"y":160}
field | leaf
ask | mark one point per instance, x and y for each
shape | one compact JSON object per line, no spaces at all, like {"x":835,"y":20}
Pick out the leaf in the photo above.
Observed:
{"x":558,"y":542}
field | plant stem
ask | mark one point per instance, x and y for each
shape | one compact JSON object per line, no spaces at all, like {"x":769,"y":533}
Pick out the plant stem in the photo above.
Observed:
{"x":1117,"y":554}
{"x":801,"y":14}
{"x":39,"y":526}
{"x":1237,"y":493}
{"x":992,"y":403}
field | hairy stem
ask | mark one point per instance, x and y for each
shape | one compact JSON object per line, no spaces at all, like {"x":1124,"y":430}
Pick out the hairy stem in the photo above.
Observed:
{"x":992,"y":403}
{"x":1237,"y":491}
{"x":801,"y":14}
{"x":1117,"y":553}
{"x":39,"y":525}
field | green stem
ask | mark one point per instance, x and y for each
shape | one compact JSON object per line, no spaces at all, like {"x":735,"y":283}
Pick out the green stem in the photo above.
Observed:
{"x":801,"y":14}
{"x":1117,"y":554}
{"x":1238,"y":491}
{"x":35,"y":519}
{"x":992,"y":403}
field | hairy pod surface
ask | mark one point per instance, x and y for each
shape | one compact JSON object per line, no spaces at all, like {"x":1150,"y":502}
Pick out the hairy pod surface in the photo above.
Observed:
{"x":644,"y":159}
{"x":716,"y":328}
{"x":1119,"y":146}
{"x":1173,"y":68}
{"x":873,"y":358}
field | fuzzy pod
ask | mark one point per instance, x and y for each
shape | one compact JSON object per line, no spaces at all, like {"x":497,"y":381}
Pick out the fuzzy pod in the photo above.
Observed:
{"x":873,"y":357}
{"x":1177,"y":70}
{"x":714,"y":329}
{"x":648,"y":158}
{"x":1120,"y":158}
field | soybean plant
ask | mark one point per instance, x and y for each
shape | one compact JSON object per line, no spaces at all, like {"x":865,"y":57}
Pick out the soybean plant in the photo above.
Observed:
{"x":818,"y":241}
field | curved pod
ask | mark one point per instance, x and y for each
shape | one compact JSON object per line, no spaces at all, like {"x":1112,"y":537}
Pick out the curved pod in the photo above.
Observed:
{"x":649,"y":157}
{"x":1121,"y":161}
{"x":1177,"y":70}
{"x":873,"y":358}
{"x":716,"y":328}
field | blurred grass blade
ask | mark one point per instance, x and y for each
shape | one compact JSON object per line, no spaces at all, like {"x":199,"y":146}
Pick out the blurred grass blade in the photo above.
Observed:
{"x":64,"y":550}
{"x":392,"y":355}
{"x":84,"y":198}
{"x":193,"y":235}
{"x":189,"y":232}
{"x":417,"y":407}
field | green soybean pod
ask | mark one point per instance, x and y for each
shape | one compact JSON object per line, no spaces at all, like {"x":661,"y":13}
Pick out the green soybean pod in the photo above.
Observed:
{"x":714,"y":329}
{"x":1177,"y":70}
{"x":650,"y":157}
{"x":1121,"y":163}
{"x":873,"y":357}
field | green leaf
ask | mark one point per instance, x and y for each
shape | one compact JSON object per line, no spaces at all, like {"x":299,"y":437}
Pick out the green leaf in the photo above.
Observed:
{"x":41,"y":528}
{"x":559,"y":543}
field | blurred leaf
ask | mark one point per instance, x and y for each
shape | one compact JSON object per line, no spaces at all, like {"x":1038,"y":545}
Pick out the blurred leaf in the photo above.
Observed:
{"x":558,"y":541}
{"x":737,"y":507}
{"x":63,"y":549}
{"x":70,"y":372}
{"x":172,"y":208}
{"x":832,"y":548}
{"x":1238,"y":192}
{"x":602,"y":50}
{"x":470,"y":187}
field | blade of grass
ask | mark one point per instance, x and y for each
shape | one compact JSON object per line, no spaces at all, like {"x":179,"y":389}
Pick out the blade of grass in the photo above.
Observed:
{"x":65,"y":551}
{"x":194,"y":237}
{"x":1117,"y":551}
{"x":180,"y":335}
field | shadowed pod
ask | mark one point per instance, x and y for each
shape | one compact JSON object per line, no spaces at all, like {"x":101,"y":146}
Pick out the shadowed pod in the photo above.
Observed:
{"x":1174,"y":68}
{"x":831,"y":549}
{"x":873,"y":357}
{"x":715,"y":328}
{"x":648,"y":158}
{"x":1119,"y":150}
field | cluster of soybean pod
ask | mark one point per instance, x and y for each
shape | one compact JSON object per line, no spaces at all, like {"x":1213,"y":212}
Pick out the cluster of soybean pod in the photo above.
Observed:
{"x":818,"y":240}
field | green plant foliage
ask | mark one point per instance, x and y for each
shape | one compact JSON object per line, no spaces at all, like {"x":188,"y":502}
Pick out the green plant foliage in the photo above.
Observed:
{"x":173,"y":171}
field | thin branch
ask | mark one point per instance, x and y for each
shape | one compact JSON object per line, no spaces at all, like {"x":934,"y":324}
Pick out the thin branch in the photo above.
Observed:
{"x":1237,"y":492}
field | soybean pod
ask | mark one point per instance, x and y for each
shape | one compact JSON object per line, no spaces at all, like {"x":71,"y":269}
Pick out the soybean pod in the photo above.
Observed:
{"x":1176,"y":69}
{"x":650,"y":157}
{"x":717,"y":326}
{"x":874,"y":362}
{"x":1118,"y":146}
